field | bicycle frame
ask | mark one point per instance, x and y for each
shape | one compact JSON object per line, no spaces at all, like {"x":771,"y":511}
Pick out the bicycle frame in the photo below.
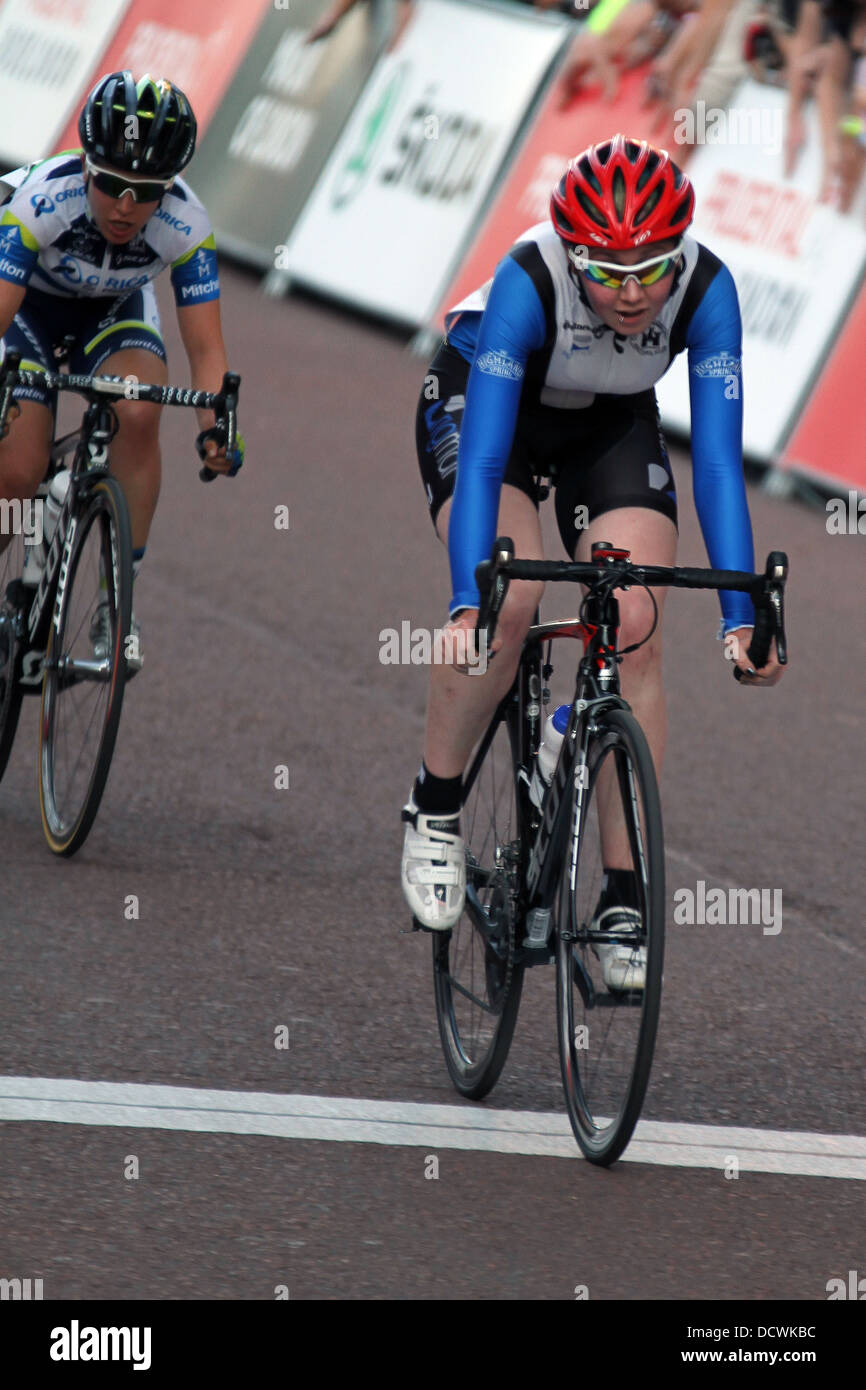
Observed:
{"x":544,"y":831}
{"x":90,"y":442}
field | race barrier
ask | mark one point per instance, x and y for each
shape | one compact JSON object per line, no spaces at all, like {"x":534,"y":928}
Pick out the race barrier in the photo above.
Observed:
{"x":797,"y":264}
{"x":427,"y":139}
{"x":828,"y":444}
{"x":195,"y":44}
{"x":47,"y":48}
{"x":278,"y":122}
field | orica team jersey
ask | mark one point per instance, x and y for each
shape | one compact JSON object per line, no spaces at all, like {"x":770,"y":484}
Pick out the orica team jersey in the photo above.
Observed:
{"x":533,"y":340}
{"x":48,"y":240}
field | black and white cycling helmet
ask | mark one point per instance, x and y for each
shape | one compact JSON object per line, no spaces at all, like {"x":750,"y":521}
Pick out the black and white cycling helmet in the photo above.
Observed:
{"x":144,"y":127}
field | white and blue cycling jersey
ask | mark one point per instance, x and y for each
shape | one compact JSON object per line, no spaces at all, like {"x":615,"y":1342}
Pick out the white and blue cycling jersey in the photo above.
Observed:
{"x":533,"y":341}
{"x":49,"y":243}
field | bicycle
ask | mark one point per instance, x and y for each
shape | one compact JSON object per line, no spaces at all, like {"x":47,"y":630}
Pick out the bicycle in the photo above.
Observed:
{"x":45,"y":631}
{"x":534,"y":873}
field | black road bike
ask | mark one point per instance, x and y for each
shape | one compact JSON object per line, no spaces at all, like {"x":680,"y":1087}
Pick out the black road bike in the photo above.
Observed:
{"x":534,"y":872}
{"x":46,"y":632}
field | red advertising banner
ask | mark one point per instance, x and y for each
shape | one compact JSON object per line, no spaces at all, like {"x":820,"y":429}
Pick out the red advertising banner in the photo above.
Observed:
{"x":829,"y":443}
{"x":556,"y":136}
{"x":197,"y":45}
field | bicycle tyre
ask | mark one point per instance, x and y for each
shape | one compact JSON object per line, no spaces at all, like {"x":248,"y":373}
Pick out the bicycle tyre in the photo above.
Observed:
{"x":600,"y":1071}
{"x":482,"y":947}
{"x":104,"y":504}
{"x":11,"y":694}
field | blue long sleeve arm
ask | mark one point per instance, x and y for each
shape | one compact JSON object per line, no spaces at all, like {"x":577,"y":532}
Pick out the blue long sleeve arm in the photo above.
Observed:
{"x":513,"y":325}
{"x":716,"y":394}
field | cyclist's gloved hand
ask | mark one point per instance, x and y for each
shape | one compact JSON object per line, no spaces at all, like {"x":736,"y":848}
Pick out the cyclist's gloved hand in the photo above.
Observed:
{"x":237,"y":458}
{"x":210,"y":447}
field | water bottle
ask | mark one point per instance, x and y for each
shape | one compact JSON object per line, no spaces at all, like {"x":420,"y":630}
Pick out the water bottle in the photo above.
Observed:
{"x":548,"y":753}
{"x":52,"y":504}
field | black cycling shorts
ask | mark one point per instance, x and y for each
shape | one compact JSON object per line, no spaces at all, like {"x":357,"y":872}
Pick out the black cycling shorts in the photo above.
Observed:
{"x":610,"y":454}
{"x":100,"y":327}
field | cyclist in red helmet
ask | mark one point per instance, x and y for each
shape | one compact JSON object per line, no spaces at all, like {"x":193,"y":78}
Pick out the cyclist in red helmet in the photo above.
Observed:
{"x":547,"y":372}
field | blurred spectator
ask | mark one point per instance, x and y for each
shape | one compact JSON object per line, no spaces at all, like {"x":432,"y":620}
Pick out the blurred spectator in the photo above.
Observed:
{"x":339,"y":8}
{"x":404,"y":9}
{"x":767,"y":41}
{"x":826,"y":57}
{"x":637,"y":30}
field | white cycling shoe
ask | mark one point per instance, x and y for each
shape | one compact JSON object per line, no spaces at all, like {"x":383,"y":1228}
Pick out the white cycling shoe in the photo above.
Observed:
{"x":100,"y":637}
{"x":622,"y":967}
{"x":434,"y":868}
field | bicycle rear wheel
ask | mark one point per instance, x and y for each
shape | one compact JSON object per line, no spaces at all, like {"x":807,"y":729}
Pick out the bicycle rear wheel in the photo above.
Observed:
{"x":12,"y":596}
{"x":82,"y":692}
{"x":607,"y":1036}
{"x":477,"y":979}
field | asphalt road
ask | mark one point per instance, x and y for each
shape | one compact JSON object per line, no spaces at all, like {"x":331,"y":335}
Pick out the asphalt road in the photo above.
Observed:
{"x":261,"y":907}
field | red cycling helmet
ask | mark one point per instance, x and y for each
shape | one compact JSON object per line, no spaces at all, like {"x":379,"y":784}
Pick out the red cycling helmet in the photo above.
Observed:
{"x":622,"y":193}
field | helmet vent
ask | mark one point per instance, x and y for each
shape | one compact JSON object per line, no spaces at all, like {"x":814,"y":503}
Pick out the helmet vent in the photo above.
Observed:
{"x":643,"y":179}
{"x":592,"y":213}
{"x":649,"y":206}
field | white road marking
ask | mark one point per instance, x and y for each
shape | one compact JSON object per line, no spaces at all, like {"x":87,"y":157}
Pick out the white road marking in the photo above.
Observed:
{"x":46,"y":1100}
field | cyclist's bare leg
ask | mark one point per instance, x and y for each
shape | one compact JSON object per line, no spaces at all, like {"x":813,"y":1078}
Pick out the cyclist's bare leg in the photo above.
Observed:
{"x":24,"y":455}
{"x":135,"y":453}
{"x":652,"y":540}
{"x":460,"y":707}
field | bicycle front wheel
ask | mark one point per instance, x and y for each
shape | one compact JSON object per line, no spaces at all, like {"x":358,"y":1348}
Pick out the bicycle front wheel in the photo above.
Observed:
{"x":609,"y":981}
{"x":476,"y":976}
{"x":85,"y":668}
{"x":13,"y":596}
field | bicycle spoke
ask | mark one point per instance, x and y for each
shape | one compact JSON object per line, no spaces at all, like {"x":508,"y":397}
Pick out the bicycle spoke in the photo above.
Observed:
{"x":81,"y":710}
{"x":477,"y":982}
{"x":609,"y":967}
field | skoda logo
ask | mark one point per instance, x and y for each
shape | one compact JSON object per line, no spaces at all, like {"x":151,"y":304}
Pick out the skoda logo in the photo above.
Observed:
{"x":356,"y":168}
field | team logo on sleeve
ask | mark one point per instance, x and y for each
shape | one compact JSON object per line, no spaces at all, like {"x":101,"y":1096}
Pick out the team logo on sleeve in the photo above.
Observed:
{"x":496,"y":363}
{"x":723,"y":364}
{"x":41,"y":202}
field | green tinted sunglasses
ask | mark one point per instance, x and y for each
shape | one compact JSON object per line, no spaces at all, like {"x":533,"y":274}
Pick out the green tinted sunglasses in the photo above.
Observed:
{"x":613,"y":276}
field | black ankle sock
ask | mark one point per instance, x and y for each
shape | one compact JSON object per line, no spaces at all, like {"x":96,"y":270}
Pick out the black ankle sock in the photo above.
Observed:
{"x":620,"y":886}
{"x":437,"y":796}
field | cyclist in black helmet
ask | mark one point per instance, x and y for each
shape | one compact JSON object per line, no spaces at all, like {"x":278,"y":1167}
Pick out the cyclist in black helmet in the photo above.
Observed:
{"x":83,"y":235}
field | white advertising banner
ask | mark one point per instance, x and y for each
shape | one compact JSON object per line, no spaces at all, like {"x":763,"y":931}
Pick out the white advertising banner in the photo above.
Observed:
{"x":796,"y":262}
{"x":417,"y":159}
{"x":47,"y":50}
